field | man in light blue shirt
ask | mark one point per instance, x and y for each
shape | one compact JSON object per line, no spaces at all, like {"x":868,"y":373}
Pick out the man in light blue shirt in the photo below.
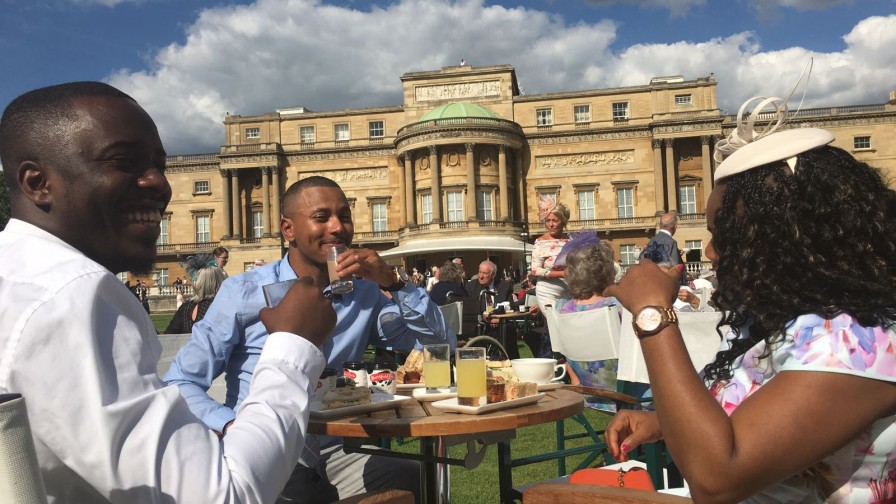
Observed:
{"x":315,"y":216}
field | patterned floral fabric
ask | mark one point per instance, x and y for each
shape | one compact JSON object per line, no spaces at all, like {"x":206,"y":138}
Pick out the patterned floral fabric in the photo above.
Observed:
{"x":599,"y":374}
{"x":837,"y":345}
{"x":544,"y":253}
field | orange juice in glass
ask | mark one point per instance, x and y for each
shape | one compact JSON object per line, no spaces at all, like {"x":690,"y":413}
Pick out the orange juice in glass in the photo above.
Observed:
{"x":470,"y":376}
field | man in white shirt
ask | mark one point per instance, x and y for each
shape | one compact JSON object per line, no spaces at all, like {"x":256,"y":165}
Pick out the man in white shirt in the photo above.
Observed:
{"x":85,"y":169}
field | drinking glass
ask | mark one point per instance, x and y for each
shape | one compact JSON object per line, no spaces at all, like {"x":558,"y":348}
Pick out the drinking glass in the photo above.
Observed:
{"x":436,"y":366}
{"x":337,"y":285}
{"x":471,"y":376}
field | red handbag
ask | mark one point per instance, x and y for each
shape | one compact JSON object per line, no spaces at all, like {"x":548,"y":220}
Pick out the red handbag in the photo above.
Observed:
{"x":635,"y":477}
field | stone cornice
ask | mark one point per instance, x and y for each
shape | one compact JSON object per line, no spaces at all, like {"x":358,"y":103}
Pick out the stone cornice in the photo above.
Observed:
{"x":577,"y":136}
{"x":294,"y":157}
{"x":830,"y":121}
{"x":476,"y":135}
{"x":189,"y":168}
{"x":713,"y":126}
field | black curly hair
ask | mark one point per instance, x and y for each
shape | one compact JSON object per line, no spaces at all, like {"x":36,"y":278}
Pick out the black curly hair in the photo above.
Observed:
{"x":821,"y":240}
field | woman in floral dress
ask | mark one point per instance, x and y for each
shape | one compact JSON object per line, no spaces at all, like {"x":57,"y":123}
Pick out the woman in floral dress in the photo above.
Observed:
{"x":800,"y":402}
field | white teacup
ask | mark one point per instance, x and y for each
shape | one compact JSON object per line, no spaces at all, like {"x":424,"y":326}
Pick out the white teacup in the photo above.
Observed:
{"x":540,"y":371}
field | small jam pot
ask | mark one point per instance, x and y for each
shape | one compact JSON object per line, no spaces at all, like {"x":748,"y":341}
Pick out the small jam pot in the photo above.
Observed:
{"x":357,"y":371}
{"x":383,"y":377}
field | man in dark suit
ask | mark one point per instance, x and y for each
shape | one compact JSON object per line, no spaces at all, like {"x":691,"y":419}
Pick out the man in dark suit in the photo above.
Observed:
{"x":663,"y":238}
{"x":485,"y":291}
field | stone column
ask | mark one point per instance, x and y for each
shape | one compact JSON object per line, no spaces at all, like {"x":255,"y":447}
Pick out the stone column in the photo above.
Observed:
{"x":225,"y":192}
{"x":705,"y":142}
{"x":275,"y":210}
{"x":671,"y":182}
{"x":235,"y":205}
{"x":658,"y":175}
{"x":502,"y":182}
{"x":471,"y":181}
{"x":435,"y":184}
{"x":266,"y":201}
{"x":520,"y":186}
{"x":410,"y":202}
{"x":402,"y":183}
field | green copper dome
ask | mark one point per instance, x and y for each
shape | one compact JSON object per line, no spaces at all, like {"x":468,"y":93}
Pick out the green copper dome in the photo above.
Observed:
{"x":458,"y":109}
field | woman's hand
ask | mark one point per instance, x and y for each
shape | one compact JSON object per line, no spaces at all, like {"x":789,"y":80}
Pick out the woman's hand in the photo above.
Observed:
{"x":646,"y":284}
{"x":629,"y":429}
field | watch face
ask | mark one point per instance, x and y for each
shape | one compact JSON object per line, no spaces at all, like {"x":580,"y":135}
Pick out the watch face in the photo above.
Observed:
{"x":649,"y":319}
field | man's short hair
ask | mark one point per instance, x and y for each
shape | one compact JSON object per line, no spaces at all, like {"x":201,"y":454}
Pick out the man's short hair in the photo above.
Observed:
{"x":294,"y":190}
{"x":668,"y":221}
{"x":32,"y":122}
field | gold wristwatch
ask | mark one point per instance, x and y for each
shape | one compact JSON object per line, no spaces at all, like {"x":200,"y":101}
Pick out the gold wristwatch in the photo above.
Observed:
{"x":653,"y":319}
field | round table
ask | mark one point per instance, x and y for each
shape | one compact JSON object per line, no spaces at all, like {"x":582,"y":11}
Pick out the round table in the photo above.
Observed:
{"x":504,"y":319}
{"x":421,"y":419}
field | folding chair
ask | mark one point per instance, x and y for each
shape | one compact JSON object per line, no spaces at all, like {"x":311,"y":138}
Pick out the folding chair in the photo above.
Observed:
{"x":454,"y":316}
{"x":20,"y":479}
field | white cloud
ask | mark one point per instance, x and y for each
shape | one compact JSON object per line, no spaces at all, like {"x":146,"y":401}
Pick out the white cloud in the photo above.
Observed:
{"x":279,"y":53}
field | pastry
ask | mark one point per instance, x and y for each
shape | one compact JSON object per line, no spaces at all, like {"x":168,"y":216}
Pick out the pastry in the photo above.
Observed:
{"x":517,"y":390}
{"x":343,"y":397}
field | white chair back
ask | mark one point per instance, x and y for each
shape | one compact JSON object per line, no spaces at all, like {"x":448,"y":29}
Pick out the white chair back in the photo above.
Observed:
{"x":530,"y":300}
{"x":20,"y":479}
{"x":698,"y":329}
{"x":171,"y":344}
{"x":454,"y":315}
{"x":586,"y":336}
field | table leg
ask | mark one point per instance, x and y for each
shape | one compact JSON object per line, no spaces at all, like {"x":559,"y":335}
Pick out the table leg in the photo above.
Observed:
{"x":505,"y":474}
{"x":434,"y":485}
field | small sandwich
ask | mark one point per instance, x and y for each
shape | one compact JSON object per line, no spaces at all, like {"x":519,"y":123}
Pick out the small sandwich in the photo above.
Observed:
{"x":345,"y":394}
{"x":412,"y":369}
{"x":522,"y":389}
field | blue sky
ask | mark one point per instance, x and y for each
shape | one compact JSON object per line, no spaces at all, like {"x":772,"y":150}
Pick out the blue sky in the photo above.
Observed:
{"x":188,"y":62}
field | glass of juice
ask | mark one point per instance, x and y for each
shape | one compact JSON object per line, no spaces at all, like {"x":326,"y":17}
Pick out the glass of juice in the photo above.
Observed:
{"x":436,"y":366}
{"x":470,"y":376}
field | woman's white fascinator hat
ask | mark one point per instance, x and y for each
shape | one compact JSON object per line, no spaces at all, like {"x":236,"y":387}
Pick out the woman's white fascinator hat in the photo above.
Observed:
{"x":746,"y":148}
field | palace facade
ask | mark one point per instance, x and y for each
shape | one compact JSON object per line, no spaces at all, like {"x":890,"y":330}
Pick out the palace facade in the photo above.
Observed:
{"x":458,"y":168}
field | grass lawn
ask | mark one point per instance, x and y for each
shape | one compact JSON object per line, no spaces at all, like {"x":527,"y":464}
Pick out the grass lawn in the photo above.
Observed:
{"x":161,"y":320}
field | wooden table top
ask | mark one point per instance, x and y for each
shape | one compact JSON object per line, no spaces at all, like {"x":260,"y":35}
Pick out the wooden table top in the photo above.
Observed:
{"x":420,"y":419}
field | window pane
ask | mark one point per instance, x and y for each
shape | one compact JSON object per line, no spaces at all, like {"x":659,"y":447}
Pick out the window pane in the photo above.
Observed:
{"x":306,"y":134}
{"x":253,"y":132}
{"x":544,"y":117}
{"x":484,"y":205}
{"x":687,"y":199}
{"x":379,"y":217}
{"x":620,"y":110}
{"x":341,"y":132}
{"x":426,"y":208}
{"x":625,"y":203}
{"x":200,"y":186}
{"x":160,"y":276}
{"x":163,"y":234}
{"x":582,"y":113}
{"x":203,"y":234}
{"x":376,"y":129}
{"x":257,"y":223}
{"x":628,"y":254}
{"x":684,"y":99}
{"x":862,"y":142}
{"x":586,"y":205}
{"x":455,"y":206}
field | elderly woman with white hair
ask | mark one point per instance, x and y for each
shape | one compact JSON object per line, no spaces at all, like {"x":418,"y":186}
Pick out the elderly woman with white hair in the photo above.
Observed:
{"x":207,"y":279}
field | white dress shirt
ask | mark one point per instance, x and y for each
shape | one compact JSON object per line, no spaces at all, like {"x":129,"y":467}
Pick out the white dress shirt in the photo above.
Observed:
{"x":82,"y":351}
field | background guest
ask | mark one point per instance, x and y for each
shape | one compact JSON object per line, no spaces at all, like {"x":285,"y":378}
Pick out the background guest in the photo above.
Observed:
{"x":222,"y":257}
{"x":207,"y":279}
{"x":450,"y":285}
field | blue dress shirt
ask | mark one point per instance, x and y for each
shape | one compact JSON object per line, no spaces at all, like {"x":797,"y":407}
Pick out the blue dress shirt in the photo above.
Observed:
{"x":230,"y":337}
